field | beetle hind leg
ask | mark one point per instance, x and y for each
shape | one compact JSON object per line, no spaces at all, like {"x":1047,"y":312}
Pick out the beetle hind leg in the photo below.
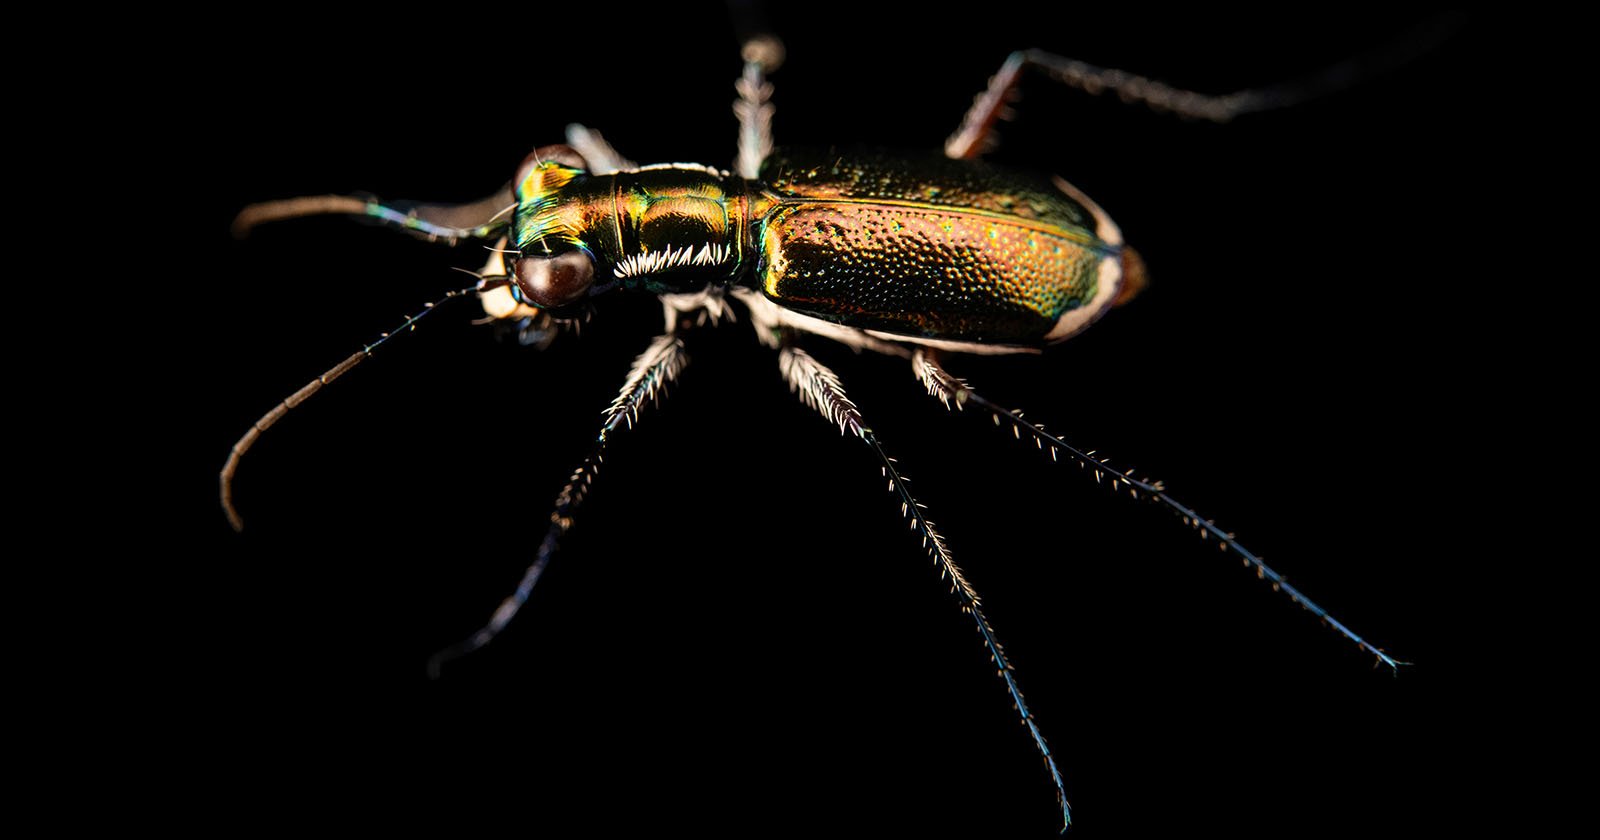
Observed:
{"x":976,"y":135}
{"x":951,"y":390}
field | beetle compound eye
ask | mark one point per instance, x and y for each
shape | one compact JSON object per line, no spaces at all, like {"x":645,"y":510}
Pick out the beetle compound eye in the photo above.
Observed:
{"x":551,"y":282}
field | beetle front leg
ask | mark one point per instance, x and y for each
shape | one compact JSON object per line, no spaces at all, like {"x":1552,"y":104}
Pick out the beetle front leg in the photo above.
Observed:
{"x":657,"y":366}
{"x":602,"y":158}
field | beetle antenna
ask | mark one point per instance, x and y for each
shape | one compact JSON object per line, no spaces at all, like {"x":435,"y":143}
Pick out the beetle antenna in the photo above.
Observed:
{"x":657,"y":366}
{"x":482,"y":219}
{"x":267,"y":420}
{"x":819,"y":388}
{"x":953,"y":390}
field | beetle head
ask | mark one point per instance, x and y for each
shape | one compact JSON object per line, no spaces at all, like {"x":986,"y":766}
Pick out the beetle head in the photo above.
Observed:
{"x":552,"y":268}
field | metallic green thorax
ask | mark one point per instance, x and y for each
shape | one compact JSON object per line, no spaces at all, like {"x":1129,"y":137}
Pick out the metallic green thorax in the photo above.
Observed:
{"x":921,"y":247}
{"x":670,"y":228}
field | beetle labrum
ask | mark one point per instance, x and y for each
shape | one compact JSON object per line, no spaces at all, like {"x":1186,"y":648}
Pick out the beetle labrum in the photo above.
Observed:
{"x":808,"y":243}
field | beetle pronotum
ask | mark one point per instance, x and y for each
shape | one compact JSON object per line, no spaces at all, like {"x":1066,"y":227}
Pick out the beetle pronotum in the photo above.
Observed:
{"x":792,"y":519}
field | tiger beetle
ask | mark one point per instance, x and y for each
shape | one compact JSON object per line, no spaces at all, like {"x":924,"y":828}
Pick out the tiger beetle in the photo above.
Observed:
{"x":919,"y":258}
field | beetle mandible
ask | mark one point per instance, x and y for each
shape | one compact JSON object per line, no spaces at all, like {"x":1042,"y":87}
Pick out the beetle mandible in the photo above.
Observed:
{"x":549,"y":445}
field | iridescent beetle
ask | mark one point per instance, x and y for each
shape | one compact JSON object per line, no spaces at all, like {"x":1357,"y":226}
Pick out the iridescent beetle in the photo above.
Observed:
{"x":912,"y":258}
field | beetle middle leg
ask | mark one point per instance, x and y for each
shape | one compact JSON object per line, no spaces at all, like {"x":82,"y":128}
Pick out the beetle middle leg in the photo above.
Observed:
{"x":818,"y":387}
{"x":762,"y":53}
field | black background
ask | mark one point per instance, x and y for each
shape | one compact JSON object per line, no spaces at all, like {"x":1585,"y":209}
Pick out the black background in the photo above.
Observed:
{"x":739,"y":633}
